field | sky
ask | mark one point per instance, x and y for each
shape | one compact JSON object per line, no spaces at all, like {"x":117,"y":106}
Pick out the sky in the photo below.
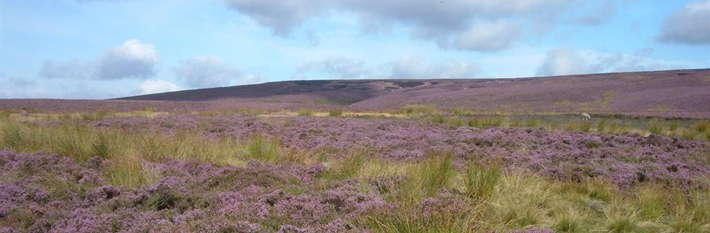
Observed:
{"x":98,"y":49}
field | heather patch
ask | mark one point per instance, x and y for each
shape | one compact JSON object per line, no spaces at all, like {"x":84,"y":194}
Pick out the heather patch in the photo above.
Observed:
{"x":243,"y":173}
{"x":626,"y":159}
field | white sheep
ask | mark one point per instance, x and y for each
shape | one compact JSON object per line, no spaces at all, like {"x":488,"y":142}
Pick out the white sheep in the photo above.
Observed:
{"x":586,"y":116}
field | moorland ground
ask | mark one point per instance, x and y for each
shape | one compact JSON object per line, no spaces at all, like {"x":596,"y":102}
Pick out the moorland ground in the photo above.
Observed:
{"x":138,"y":168}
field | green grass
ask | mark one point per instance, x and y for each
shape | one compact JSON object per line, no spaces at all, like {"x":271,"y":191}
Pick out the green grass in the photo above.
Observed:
{"x":263,"y":148}
{"x":305,"y":112}
{"x":127,"y":150}
{"x":349,"y":166}
{"x":437,"y":172}
{"x":417,"y":109}
{"x":481,"y":180}
{"x":438,"y":119}
{"x":335,"y":112}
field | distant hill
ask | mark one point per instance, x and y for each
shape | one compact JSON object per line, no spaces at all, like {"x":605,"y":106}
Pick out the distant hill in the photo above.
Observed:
{"x":651,"y":93}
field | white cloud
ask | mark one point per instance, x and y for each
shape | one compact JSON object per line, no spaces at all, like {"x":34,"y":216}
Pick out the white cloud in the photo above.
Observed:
{"x":688,"y":25}
{"x":493,"y":36}
{"x":15,"y":81}
{"x":280,"y":15}
{"x":409,"y":67}
{"x":253,"y":79}
{"x":562,"y":61}
{"x":151,"y":86}
{"x":567,"y":61}
{"x":418,"y":68}
{"x":337,"y":68}
{"x":71,"y":69}
{"x":598,"y":16}
{"x":206,"y":71}
{"x":132,"y":59}
{"x":445,"y":22}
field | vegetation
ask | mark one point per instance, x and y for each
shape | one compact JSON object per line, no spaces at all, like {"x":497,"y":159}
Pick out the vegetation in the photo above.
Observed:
{"x":436,"y":192}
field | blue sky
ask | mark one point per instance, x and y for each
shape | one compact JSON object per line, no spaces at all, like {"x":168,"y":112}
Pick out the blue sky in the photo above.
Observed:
{"x":94,"y":49}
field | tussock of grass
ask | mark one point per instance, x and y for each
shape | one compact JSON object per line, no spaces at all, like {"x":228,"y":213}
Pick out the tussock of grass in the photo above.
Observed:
{"x":349,"y":166}
{"x":335,"y":112}
{"x":487,"y":122}
{"x":438,"y":119}
{"x":437,"y":172}
{"x":481,"y":180}
{"x":455,"y":122}
{"x":655,"y":127}
{"x":417,"y":109}
{"x":305,"y":112}
{"x":263,"y":148}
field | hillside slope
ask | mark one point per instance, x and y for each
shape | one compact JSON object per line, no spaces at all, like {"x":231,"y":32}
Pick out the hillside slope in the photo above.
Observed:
{"x":653,"y":93}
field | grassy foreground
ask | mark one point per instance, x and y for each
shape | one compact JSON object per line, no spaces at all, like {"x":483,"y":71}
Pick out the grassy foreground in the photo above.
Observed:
{"x":437,"y":194}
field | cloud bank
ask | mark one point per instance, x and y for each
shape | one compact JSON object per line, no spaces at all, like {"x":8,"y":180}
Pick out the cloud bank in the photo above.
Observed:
{"x":206,"y":71}
{"x":688,"y":25}
{"x":485,"y":25}
{"x":568,"y":61}
{"x":132,"y":59}
{"x":151,"y":86}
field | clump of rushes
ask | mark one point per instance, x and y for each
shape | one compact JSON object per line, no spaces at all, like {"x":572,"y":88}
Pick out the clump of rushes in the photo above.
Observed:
{"x":702,"y":127}
{"x":437,"y":172}
{"x":688,"y":134}
{"x":481,"y":180}
{"x":148,"y":109}
{"x":585,"y":126}
{"x":335,"y":112}
{"x":655,"y":127}
{"x":570,"y":222}
{"x":474,"y":122}
{"x":75,"y":141}
{"x":5,"y":114}
{"x":262,"y":148}
{"x":100,"y":147}
{"x":305,"y":112}
{"x":492,"y":122}
{"x":438,"y":118}
{"x":349,"y":166}
{"x":673,"y":126}
{"x":456,"y":122}
{"x":416,"y":109}
{"x":516,"y":124}
{"x":460,"y":111}
{"x":532,"y":123}
{"x":601,"y":126}
{"x":130,"y":172}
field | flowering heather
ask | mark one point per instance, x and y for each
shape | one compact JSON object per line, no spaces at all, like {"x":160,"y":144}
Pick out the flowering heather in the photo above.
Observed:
{"x":201,"y":173}
{"x":624,"y":159}
{"x":191,"y":196}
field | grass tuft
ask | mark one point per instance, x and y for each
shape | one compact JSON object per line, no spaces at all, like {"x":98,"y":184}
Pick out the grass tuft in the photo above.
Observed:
{"x":349,"y":166}
{"x":305,"y":112}
{"x":335,"y":112}
{"x":437,"y":172}
{"x":481,"y":180}
{"x":263,"y":148}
